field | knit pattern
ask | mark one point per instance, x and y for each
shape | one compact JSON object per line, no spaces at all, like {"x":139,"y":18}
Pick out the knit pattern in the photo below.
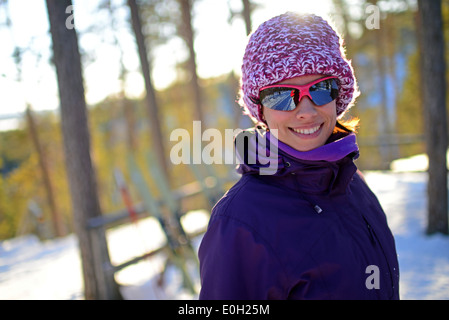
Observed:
{"x":292,"y":45}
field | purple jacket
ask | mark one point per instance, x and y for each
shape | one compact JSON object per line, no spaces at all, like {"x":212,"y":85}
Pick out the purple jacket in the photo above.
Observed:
{"x":313,"y":230}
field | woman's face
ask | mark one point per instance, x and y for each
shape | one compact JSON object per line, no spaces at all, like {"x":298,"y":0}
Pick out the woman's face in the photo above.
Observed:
{"x":308,"y":126}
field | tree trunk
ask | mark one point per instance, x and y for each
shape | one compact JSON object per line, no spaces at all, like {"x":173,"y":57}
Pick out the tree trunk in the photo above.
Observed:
{"x":85,"y":204}
{"x":58,"y":226}
{"x":384,"y":120}
{"x":247,"y":15}
{"x":188,"y":36}
{"x":434,"y":104}
{"x":151,"y":101}
{"x":126,"y":105}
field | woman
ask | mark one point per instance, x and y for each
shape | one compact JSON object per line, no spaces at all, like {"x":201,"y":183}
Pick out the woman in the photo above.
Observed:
{"x":312,"y":229}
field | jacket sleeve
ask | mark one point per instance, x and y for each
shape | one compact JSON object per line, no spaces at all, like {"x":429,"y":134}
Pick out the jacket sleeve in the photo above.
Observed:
{"x":236,"y":263}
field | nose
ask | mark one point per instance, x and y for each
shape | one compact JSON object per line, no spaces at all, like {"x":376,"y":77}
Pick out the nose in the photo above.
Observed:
{"x":305,"y":109}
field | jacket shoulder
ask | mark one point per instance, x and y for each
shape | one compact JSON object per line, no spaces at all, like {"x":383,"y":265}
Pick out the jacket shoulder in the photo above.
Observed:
{"x":255,"y":202}
{"x":238,"y":198}
{"x":236,"y":259}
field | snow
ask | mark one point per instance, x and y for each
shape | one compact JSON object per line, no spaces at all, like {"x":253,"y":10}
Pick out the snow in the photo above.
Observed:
{"x":51,"y":270}
{"x":30,"y":269}
{"x":423,"y":260}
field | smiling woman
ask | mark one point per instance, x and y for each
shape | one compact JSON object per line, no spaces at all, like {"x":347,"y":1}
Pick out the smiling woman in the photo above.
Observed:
{"x":312,"y":228}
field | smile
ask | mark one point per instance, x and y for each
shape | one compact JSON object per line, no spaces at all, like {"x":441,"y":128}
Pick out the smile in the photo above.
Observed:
{"x":307,"y":131}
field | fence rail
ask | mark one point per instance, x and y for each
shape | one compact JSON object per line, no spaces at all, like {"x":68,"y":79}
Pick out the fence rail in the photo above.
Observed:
{"x":122,"y":216}
{"x":390,"y":140}
{"x":208,"y":186}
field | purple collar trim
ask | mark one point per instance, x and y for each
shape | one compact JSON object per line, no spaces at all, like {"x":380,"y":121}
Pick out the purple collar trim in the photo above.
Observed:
{"x":332,"y":151}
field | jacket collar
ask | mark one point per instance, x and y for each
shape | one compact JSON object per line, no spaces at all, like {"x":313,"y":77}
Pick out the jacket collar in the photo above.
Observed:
{"x":324,"y":170}
{"x":337,"y":147}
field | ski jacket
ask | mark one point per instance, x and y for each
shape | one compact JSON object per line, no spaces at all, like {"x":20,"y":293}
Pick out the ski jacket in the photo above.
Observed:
{"x":311,"y":230}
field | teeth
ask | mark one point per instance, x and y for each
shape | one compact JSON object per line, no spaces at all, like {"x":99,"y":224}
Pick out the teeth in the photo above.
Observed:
{"x":307,"y":131}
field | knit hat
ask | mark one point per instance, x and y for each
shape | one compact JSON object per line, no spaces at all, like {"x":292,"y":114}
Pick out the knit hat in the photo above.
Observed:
{"x":292,"y":45}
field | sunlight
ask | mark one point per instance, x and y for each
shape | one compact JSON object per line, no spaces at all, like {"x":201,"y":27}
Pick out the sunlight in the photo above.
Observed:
{"x":220,"y":49}
{"x":219,"y":45}
{"x":270,"y":9}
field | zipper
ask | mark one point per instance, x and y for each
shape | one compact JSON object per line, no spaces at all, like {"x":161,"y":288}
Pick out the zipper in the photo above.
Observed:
{"x":373,"y":238}
{"x":371,"y":232}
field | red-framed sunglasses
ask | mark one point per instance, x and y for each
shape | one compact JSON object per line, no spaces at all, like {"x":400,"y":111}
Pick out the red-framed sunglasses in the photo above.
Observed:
{"x":285,"y":97}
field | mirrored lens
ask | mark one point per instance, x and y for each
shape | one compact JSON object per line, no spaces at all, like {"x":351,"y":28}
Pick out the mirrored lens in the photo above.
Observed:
{"x":278,"y":98}
{"x":324,"y":92}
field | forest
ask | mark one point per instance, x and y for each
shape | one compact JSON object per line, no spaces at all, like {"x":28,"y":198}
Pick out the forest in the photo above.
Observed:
{"x":390,"y":109}
{"x":381,"y":38}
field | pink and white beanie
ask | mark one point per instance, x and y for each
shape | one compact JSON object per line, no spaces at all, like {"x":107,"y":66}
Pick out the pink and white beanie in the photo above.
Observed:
{"x":292,"y":45}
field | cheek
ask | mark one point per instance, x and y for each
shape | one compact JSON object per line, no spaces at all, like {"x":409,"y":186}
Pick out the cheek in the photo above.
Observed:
{"x":273,"y":118}
{"x":329,"y":112}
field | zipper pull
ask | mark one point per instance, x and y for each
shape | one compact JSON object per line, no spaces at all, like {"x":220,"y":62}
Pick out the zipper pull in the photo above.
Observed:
{"x":371,"y":232}
{"x":318,"y":209}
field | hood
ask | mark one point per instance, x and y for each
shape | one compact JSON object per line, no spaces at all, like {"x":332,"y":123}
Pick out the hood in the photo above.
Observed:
{"x":328,"y":168}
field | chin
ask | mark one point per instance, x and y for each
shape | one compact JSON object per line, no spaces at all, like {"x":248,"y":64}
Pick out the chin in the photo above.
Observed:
{"x":307,"y":145}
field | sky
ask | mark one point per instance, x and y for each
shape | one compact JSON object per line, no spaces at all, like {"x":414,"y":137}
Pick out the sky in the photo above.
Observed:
{"x":219,"y":46}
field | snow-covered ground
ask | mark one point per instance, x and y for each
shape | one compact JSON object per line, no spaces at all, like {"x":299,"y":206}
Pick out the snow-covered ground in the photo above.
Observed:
{"x":423,"y":260}
{"x":30,"y":269}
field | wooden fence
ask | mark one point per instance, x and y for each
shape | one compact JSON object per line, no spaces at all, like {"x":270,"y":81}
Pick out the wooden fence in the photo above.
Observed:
{"x":167,"y":210}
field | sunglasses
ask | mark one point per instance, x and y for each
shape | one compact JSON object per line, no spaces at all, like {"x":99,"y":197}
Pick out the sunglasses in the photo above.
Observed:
{"x":283,"y":97}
